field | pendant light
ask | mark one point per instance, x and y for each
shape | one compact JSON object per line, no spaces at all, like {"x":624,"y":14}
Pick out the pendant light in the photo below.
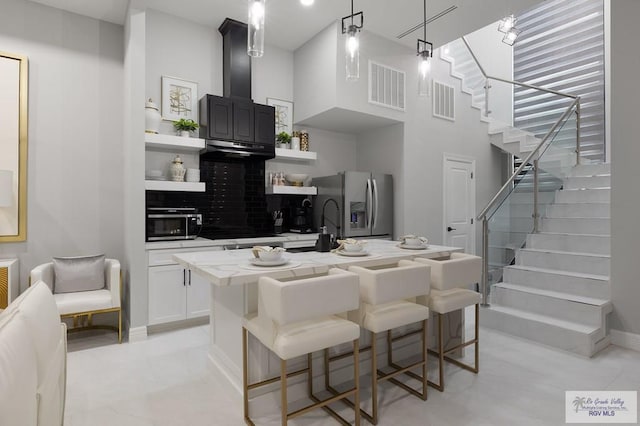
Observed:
{"x":507,"y":26}
{"x":424,"y":52}
{"x":255,"y":39}
{"x":352,"y":43}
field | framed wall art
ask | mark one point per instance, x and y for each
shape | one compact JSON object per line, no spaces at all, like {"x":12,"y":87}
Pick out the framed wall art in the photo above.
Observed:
{"x":284,"y":114}
{"x":179,"y":99}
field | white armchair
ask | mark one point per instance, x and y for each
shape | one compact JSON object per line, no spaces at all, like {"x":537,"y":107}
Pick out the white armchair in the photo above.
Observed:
{"x":78,"y":305}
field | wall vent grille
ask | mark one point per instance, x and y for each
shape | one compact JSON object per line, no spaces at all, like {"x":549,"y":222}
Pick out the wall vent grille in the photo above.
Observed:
{"x":443,"y":101}
{"x":386,"y":86}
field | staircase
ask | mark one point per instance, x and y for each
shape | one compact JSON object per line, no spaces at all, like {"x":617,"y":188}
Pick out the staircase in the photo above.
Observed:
{"x":555,"y":289}
{"x":558,"y":292}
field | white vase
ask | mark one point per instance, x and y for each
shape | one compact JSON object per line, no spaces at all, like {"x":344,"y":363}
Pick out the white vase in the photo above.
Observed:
{"x":295,"y":143}
{"x":185,"y":133}
{"x":177,"y":170}
{"x":152,"y":117}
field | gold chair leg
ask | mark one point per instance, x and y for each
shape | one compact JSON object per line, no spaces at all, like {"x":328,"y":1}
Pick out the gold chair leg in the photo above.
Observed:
{"x":356,"y":378}
{"x":283,"y":391}
{"x":120,"y":326}
{"x":424,"y":359}
{"x":476,"y":346}
{"x":310,"y":374}
{"x":374,"y":379}
{"x":440,"y":352}
{"x":245,"y":378}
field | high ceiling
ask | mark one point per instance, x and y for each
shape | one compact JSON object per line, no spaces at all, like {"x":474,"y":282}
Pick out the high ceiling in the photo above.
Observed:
{"x":290,"y":24}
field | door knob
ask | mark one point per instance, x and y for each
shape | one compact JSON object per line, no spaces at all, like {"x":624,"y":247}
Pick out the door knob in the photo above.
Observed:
{"x":449,"y":229}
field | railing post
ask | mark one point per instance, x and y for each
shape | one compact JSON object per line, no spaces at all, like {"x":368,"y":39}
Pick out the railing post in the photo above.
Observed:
{"x":485,"y":262}
{"x":578,"y":131}
{"x":487,"y":86}
{"x":535,"y":196}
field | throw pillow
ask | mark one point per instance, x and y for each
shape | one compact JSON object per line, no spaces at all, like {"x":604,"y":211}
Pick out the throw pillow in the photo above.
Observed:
{"x":82,"y":273}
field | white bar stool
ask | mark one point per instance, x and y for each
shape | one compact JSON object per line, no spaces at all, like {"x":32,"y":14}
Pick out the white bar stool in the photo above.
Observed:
{"x":447,"y":278}
{"x":299,"y":317}
{"x":384,"y":306}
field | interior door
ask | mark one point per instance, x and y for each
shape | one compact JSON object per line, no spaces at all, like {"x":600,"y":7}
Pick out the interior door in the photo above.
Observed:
{"x":358,"y":193}
{"x":459,"y":202}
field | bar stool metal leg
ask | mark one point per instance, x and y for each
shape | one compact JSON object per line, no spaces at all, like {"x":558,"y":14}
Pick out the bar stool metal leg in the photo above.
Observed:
{"x":283,"y":391}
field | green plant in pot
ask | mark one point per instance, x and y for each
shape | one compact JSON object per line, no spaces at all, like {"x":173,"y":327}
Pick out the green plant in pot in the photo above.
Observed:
{"x":283,"y":139}
{"x":185,"y":126}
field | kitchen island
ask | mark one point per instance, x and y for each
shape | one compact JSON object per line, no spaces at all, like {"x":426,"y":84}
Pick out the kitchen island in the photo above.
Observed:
{"x":234,"y":294}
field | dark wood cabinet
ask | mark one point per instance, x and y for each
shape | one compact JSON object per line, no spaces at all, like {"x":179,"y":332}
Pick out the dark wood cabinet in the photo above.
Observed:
{"x":243,"y":120}
{"x":236,"y":119}
{"x":265,"y":127}
{"x":216,"y":118}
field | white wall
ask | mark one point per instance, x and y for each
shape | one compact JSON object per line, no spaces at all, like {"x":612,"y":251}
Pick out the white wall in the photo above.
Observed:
{"x":496,"y":58}
{"x":76,"y":162}
{"x":315,"y":74}
{"x":625,"y":173}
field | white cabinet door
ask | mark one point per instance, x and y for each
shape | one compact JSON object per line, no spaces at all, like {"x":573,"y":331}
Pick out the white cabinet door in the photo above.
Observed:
{"x":198,"y":297}
{"x":167,"y":294}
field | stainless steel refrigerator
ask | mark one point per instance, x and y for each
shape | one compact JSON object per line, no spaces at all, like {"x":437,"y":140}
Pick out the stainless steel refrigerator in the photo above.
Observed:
{"x":365,"y":202}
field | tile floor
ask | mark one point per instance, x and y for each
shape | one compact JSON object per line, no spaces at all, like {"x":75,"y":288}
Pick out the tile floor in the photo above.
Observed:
{"x":167,"y":380}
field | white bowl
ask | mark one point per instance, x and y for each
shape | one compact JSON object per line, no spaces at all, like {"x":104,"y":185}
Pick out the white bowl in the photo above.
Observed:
{"x":352,"y":247}
{"x":417,"y":241}
{"x":296,"y":177}
{"x":270,"y":256}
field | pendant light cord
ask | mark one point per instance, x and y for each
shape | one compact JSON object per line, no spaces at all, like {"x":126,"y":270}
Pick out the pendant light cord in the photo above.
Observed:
{"x":351,"y":12}
{"x":425,"y":19}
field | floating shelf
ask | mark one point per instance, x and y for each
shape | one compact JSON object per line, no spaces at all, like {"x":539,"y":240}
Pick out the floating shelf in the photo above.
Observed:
{"x":166,"y":185}
{"x":294,"y":154}
{"x":292,"y":190}
{"x":154,"y":140}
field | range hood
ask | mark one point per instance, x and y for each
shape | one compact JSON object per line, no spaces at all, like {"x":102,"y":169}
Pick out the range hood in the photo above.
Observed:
{"x":233,"y":125}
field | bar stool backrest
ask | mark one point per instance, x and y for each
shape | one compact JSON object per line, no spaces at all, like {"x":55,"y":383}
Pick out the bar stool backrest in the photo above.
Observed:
{"x":460,"y":270}
{"x":287,"y":302}
{"x":405,"y":280}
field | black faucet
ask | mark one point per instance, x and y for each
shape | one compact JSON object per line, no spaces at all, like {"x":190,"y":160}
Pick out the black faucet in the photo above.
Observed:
{"x":338,"y":217}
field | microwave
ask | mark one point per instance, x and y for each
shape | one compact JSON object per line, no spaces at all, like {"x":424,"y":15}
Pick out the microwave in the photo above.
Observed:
{"x":164,"y":223}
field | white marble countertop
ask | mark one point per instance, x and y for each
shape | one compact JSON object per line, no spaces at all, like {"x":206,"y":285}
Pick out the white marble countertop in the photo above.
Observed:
{"x":232,"y":267}
{"x":205,"y":242}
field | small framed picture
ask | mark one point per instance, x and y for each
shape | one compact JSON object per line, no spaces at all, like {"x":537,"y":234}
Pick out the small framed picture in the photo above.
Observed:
{"x":179,"y":99}
{"x":284,"y":114}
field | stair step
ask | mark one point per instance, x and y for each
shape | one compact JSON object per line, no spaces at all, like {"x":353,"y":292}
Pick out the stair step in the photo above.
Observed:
{"x":581,"y":284}
{"x":564,"y":306}
{"x":565,"y":335}
{"x":591,"y":169}
{"x":579,"y":210}
{"x":598,"y":264}
{"x":600,"y":244}
{"x":590,"y":182}
{"x":577,"y":225}
{"x":600,"y":195}
{"x":527,"y":197}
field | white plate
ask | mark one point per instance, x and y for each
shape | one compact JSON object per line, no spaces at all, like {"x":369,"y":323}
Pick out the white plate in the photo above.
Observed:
{"x":411,"y":247}
{"x":352,"y":253}
{"x":260,"y":262}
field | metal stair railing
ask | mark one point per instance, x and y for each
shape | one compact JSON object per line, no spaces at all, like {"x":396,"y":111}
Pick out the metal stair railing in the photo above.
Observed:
{"x":533,"y":158}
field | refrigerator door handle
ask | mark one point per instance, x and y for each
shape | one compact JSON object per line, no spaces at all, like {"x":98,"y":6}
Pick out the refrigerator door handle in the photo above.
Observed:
{"x":369,"y":204}
{"x":375,"y":203}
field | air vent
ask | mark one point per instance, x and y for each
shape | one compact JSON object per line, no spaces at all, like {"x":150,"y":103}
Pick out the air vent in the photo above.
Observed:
{"x":443,"y":101}
{"x":386,"y":86}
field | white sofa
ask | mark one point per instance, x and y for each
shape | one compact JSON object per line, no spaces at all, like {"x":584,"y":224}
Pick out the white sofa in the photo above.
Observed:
{"x":86,"y":303}
{"x":33,"y":360}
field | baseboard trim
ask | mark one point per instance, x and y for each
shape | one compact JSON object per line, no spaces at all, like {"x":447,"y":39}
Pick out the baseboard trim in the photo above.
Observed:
{"x":137,"y":334}
{"x":625,"y":339}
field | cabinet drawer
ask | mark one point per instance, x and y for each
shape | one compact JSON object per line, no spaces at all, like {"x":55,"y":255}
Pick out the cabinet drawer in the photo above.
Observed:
{"x":164,"y":257}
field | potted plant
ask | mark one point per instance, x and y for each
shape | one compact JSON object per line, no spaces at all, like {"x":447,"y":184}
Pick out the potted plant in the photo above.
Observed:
{"x":283,"y":139}
{"x":185,"y":126}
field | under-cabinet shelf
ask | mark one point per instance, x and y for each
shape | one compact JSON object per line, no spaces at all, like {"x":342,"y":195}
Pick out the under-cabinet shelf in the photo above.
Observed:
{"x":167,"y":185}
{"x":158,"y":141}
{"x":294,"y":154}
{"x":292,"y":190}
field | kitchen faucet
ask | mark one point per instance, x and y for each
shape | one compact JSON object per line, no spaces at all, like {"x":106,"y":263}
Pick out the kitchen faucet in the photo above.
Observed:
{"x":338,"y":217}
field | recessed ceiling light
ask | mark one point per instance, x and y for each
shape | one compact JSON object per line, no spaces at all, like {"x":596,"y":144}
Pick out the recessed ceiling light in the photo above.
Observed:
{"x":306,"y":2}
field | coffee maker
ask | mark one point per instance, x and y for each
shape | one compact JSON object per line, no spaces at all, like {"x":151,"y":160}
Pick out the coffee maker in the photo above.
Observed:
{"x":301,"y":217}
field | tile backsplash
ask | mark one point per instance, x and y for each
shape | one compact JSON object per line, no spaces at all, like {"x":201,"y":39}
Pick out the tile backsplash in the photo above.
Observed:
{"x":234,"y":204}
